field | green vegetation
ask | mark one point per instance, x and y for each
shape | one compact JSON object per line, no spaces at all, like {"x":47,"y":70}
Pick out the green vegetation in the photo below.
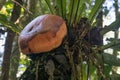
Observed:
{"x":81,"y":56}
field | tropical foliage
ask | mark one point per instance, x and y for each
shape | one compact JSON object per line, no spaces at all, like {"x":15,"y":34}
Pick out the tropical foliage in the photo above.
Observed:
{"x":82,"y":55}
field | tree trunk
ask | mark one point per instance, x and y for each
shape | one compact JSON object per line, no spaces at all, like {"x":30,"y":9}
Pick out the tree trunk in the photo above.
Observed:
{"x":14,"y":62}
{"x":7,"y":54}
{"x":8,"y":43}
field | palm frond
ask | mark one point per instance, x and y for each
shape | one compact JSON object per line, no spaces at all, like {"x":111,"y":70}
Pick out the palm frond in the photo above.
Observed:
{"x":95,"y":10}
{"x":49,"y":6}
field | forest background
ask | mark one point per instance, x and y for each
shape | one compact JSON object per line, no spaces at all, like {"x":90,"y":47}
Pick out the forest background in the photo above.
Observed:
{"x":104,"y":14}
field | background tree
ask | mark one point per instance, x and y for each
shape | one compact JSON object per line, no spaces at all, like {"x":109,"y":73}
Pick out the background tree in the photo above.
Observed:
{"x":8,"y":43}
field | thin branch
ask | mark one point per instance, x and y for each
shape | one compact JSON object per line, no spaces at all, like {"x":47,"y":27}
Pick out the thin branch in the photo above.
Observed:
{"x":22,"y":6}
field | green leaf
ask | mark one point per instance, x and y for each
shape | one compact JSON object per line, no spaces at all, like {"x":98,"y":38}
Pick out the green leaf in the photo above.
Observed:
{"x":64,"y":8}
{"x":3,"y":18}
{"x":59,"y":6}
{"x":14,"y":27}
{"x":95,"y":10}
{"x":111,"y":59}
{"x":115,"y":77}
{"x":113,"y":26}
{"x":74,"y":9}
{"x":92,"y":71}
{"x":9,"y":24}
{"x":85,"y":74}
{"x":116,"y":47}
{"x":71,"y":5}
{"x":106,"y":71}
{"x":50,"y":6}
{"x":80,"y":11}
{"x":77,"y":12}
{"x":109,"y":45}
